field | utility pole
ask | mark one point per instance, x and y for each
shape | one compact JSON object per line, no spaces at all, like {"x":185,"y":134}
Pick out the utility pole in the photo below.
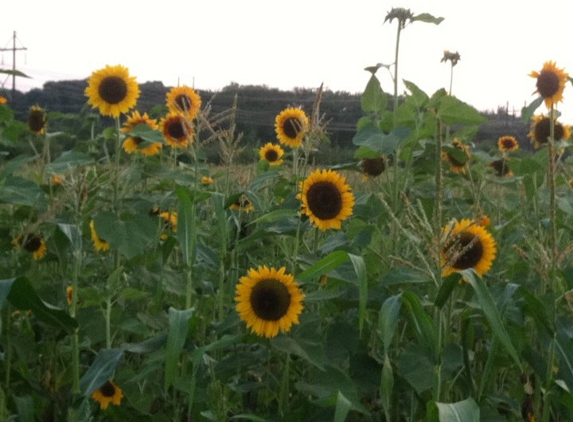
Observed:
{"x":13,"y":49}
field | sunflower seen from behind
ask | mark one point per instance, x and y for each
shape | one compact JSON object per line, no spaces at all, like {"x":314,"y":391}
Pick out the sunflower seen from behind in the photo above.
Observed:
{"x":31,"y":243}
{"x":183,"y":99}
{"x":176,"y":130}
{"x":372,"y":167}
{"x":37,"y":120}
{"x":467,"y":245}
{"x":326,"y":199}
{"x":132,"y":143}
{"x":500,"y":167}
{"x":272,"y":153}
{"x":269,"y":300}
{"x":550,"y":83}
{"x":112,"y":90}
{"x":540,"y":130}
{"x":291,"y":125}
{"x":458,"y":157}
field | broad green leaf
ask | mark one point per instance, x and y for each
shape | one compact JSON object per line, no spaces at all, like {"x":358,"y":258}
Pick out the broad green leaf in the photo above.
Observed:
{"x":14,"y":72}
{"x":404,"y":276}
{"x":146,"y":133}
{"x":422,"y":324}
{"x":453,"y":111}
{"x":74,"y":235}
{"x":225,"y":341}
{"x":277,"y":215}
{"x":148,"y":346}
{"x":343,"y":406}
{"x":375,"y":139}
{"x":69,"y":160}
{"x":186,"y":225}
{"x":418,"y":97}
{"x":100,"y":371}
{"x":491,"y":312}
{"x":360,"y":270}
{"x":373,"y":99}
{"x":20,"y":293}
{"x":365,"y":152}
{"x":14,"y":164}
{"x":417,"y":369}
{"x":462,"y":411}
{"x":529,"y":110}
{"x":176,"y":336}
{"x":130,"y":234}
{"x":19,"y":191}
{"x":25,"y":406}
{"x":299,"y":347}
{"x":564,"y":347}
{"x":388,"y":319}
{"x":426,"y":17}
{"x":387,"y":386}
{"x":537,"y":310}
{"x":446,"y":289}
{"x":325,"y":265}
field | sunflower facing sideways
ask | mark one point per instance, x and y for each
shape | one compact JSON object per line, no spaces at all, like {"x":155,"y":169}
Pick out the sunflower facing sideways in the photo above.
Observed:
{"x":467,"y":245}
{"x":272,"y":153}
{"x":541,"y":130}
{"x":326,"y":199}
{"x":31,"y":243}
{"x":37,"y":120}
{"x":550,"y":83}
{"x":176,"y":130}
{"x":112,"y":90}
{"x":182,"y":99}
{"x":459,"y":159}
{"x":132,"y":143}
{"x":99,"y":244}
{"x":106,"y":394}
{"x":291,"y":124}
{"x":268,"y":300}
{"x":500,"y":167}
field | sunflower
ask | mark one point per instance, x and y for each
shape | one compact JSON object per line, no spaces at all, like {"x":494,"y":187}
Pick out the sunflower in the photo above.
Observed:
{"x":3,"y":100}
{"x":467,"y":245}
{"x":242,"y":204}
{"x":268,"y":300}
{"x":206,"y":180}
{"x":372,"y":167}
{"x":37,"y":120}
{"x":131,"y":144}
{"x":99,"y":244}
{"x":69,"y":294}
{"x":507,"y":143}
{"x":176,"y":130}
{"x":501,"y":168}
{"x":112,"y":90}
{"x":31,"y":243}
{"x":541,"y":130}
{"x":453,"y":58}
{"x":183,"y":99}
{"x":326,"y":199}
{"x":272,"y":153}
{"x":170,"y":220}
{"x":291,"y":125}
{"x":108,"y":393}
{"x":457,"y":161}
{"x":550,"y":83}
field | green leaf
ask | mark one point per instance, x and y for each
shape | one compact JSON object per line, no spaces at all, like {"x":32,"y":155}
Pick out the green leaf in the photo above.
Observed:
{"x":417,"y":369}
{"x":100,"y":371}
{"x":343,"y":406}
{"x":177,"y":334}
{"x":20,"y":293}
{"x":325,"y":265}
{"x":404,"y":276}
{"x":186,"y":225}
{"x":14,"y":164}
{"x":14,"y":72}
{"x":453,"y":111}
{"x":446,"y":289}
{"x":387,"y":387}
{"x":25,"y":406}
{"x":148,"y":346}
{"x":418,"y":97}
{"x":422,"y":324}
{"x":146,"y":133}
{"x":277,"y":215}
{"x":426,"y":17}
{"x":19,"y":191}
{"x":490,"y":311}
{"x":388,"y":319}
{"x":373,"y":138}
{"x":68,"y":160}
{"x":73,"y":234}
{"x":295,"y":346}
{"x":360,"y":270}
{"x":373,"y":99}
{"x":462,"y":411}
{"x":529,"y":110}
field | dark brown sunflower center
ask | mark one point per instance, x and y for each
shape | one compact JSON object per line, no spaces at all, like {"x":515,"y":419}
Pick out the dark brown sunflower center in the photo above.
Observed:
{"x":500,"y":167}
{"x":270,"y":300}
{"x":547,"y":84}
{"x":176,"y":130}
{"x":542,"y":131}
{"x":373,"y":166}
{"x":324,"y":200}
{"x":137,"y":141}
{"x":36,"y":120}
{"x":470,"y":247}
{"x":292,"y":127}
{"x":271,"y":155}
{"x":32,"y":243}
{"x":112,"y":90}
{"x":507,"y":143}
{"x":107,"y":390}
{"x":183,"y":102}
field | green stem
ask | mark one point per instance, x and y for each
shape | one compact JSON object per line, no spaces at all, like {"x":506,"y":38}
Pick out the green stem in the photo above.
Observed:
{"x":73,"y":308}
{"x":108,"y":305}
{"x":396,"y":72}
{"x":552,"y":200}
{"x":283,"y":396}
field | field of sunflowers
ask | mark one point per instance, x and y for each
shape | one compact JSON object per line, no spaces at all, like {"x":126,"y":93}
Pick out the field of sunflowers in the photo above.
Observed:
{"x":429,"y":279}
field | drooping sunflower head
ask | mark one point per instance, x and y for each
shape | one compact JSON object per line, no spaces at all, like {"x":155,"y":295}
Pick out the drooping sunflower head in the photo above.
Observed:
{"x":373,"y":167}
{"x":99,"y":244}
{"x":31,"y":243}
{"x":133,"y":143}
{"x":326,"y":199}
{"x":176,"y":130}
{"x":458,"y":157}
{"x":501,"y":168}
{"x":550,"y":83}
{"x":243,"y":204}
{"x":112,"y":90}
{"x":268,"y":300}
{"x":291,"y":124}
{"x":403,"y":16}
{"x":272,"y":153}
{"x":467,"y":245}
{"x":507,"y":143}
{"x":453,"y":58}
{"x":108,"y":393}
{"x":37,"y":120}
{"x":541,"y":130}
{"x":183,"y":99}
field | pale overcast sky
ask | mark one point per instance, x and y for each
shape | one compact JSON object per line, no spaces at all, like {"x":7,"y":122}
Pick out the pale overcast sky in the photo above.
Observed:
{"x":295,"y":43}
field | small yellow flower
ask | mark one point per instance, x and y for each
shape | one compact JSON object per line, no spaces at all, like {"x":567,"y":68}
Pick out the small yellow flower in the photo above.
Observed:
{"x":69,"y":294}
{"x":206,"y":180}
{"x":3,"y":100}
{"x":108,"y":393}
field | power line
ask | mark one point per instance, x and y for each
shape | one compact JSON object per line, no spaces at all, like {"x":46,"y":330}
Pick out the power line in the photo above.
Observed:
{"x":13,"y":49}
